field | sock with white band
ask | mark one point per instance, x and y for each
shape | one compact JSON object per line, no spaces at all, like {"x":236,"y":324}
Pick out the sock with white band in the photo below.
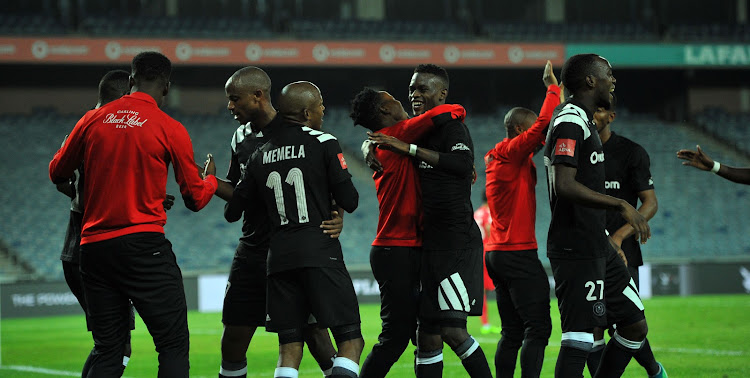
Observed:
{"x":344,"y":367}
{"x":285,"y":372}
{"x":430,"y":363}
{"x":617,"y":355}
{"x":233,"y":369}
{"x":473,"y":359}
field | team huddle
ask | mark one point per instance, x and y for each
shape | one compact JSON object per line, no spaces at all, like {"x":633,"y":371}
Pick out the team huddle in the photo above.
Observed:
{"x":289,"y":183}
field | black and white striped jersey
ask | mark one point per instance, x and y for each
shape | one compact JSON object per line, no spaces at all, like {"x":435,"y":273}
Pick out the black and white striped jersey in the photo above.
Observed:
{"x":575,"y":231}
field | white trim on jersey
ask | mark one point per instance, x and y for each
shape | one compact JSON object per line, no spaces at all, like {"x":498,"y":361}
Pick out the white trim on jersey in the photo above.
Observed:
{"x":240,"y":134}
{"x":446,"y":289}
{"x":321,"y":136}
{"x":574,"y":114}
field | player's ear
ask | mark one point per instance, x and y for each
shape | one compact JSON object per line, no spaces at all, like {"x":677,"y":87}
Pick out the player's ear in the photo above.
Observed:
{"x":306,"y":114}
{"x":590,"y":81}
{"x":166,"y":88}
{"x":612,"y":116}
{"x":443,"y":94}
{"x":131,"y":82}
{"x":518,"y":129}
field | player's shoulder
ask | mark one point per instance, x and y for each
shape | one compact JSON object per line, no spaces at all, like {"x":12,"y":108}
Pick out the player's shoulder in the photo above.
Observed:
{"x":244,"y":132}
{"x":629,"y":144}
{"x":572,"y":114}
{"x":318,"y":135}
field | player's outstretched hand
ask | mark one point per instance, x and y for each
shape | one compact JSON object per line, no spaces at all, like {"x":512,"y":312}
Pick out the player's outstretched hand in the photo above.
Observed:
{"x":697,"y":159}
{"x":168,"y":202}
{"x":388,"y":142}
{"x":209,"y":166}
{"x":334,"y":226}
{"x":549,"y":76}
{"x":368,"y":153}
{"x":635,"y":219}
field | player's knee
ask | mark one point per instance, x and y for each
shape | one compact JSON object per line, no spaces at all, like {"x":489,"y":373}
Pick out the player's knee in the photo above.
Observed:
{"x":454,"y":336}
{"x":289,"y":336}
{"x":346,"y":333}
{"x":636,"y":331}
{"x":428,"y":340}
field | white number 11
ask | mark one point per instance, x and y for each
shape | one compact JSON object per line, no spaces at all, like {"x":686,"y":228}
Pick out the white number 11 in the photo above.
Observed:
{"x":295,"y":179}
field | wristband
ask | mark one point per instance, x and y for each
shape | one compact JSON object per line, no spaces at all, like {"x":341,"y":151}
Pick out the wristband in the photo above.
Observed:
{"x":413,"y":149}
{"x":716,"y":167}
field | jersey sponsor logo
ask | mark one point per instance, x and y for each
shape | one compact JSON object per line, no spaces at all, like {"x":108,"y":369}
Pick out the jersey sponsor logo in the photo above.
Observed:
{"x":424,"y":165}
{"x":650,"y":181}
{"x":284,"y":153}
{"x":460,"y":147}
{"x":342,"y":161}
{"x":565,"y":147}
{"x":124,"y":118}
{"x":596,"y":157}
{"x":488,"y":159}
{"x":611,"y":185}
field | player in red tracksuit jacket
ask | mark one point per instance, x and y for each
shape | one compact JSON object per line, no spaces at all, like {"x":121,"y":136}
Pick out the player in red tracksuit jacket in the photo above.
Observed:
{"x":126,"y":148}
{"x":521,"y":284}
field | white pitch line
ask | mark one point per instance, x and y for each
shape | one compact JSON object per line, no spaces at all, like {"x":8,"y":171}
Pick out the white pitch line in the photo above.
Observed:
{"x":34,"y":369}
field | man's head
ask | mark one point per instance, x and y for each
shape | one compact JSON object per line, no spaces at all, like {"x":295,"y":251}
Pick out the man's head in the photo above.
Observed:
{"x":302,"y":102}
{"x":150,"y":72}
{"x":603,"y":117}
{"x":588,"y":77}
{"x":518,"y":120}
{"x":428,"y":88}
{"x":375,"y":110}
{"x":113,"y":85}
{"x":247,"y":90}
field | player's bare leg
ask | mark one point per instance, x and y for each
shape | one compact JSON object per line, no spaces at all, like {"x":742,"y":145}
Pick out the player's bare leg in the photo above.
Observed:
{"x":290,"y":356}
{"x":234,"y":343}
{"x":319,"y":342}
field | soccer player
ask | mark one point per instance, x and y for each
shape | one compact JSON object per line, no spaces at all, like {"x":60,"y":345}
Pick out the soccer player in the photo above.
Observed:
{"x":592,"y":283}
{"x":126,"y":147}
{"x":700,"y":160}
{"x":628,"y":176}
{"x":249,"y":100}
{"x":451,"y":261}
{"x":395,"y":252}
{"x":113,"y":85}
{"x":522,"y":287}
{"x":292,"y":177}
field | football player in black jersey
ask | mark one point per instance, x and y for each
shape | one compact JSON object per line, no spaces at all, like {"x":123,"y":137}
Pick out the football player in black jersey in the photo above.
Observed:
{"x":451,"y":266}
{"x":592,"y":284}
{"x":292,"y":178}
{"x":628,"y":176}
{"x":249,"y":101}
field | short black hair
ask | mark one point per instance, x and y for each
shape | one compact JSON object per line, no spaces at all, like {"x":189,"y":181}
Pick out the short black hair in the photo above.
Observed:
{"x":575,"y":70}
{"x":364,"y":108}
{"x":435,"y":70}
{"x":151,"y":66}
{"x":114,"y":84}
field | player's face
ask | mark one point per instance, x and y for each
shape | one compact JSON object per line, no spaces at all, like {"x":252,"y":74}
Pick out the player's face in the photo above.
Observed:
{"x":240,"y":103}
{"x":426,"y":91}
{"x":316,"y":112}
{"x":605,"y":83}
{"x":602,"y":118}
{"x":393,"y":106}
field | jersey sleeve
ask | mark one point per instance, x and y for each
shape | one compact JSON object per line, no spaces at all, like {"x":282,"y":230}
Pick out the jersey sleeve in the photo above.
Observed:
{"x":565,"y":142}
{"x":196,"y":192}
{"x":525,"y":143}
{"x":640,"y":170}
{"x":234,"y":172}
{"x":243,"y":194}
{"x":412,"y":129}
{"x":70,"y":155}
{"x":456,"y":150}
{"x":339,"y":178}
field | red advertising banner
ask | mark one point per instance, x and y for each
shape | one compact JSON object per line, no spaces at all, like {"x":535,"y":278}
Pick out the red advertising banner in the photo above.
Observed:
{"x":283,"y":53}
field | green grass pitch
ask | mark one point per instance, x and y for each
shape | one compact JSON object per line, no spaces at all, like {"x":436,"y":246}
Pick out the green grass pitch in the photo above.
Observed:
{"x":702,"y":336}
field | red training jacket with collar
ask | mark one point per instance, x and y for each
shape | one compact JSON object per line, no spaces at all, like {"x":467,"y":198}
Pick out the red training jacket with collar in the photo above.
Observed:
{"x":511,"y":178}
{"x":397,"y":186}
{"x":126,"y":147}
